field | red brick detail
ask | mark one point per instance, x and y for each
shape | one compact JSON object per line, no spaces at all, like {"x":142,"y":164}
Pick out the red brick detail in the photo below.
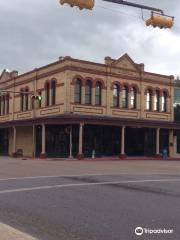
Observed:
{"x":80,"y":156}
{"x":43,"y":156}
{"x":122,"y":156}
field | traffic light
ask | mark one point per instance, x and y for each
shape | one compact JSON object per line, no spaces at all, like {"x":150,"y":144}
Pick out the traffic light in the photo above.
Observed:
{"x":82,"y":4}
{"x":161,"y":21}
{"x":38,"y":98}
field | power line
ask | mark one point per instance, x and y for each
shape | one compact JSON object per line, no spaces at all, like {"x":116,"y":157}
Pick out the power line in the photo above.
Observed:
{"x":129,"y":15}
{"x":113,"y":10}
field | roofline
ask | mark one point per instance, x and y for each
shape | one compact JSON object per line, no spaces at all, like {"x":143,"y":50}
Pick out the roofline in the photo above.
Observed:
{"x":81,"y":61}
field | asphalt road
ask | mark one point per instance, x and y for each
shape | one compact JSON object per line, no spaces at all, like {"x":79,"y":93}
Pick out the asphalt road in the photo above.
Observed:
{"x":93,"y":206}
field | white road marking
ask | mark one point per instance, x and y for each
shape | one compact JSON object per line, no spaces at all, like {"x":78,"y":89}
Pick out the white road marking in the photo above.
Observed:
{"x":10,"y":233}
{"x":86,"y":184}
{"x":84,"y":175}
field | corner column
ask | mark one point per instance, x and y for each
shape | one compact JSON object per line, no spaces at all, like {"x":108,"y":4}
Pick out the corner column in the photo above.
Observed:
{"x":157,"y":142}
{"x":34,"y":140}
{"x":43,"y":152}
{"x":70,"y":143}
{"x":80,"y":153}
{"x":122,"y":155}
{"x":14,"y":142}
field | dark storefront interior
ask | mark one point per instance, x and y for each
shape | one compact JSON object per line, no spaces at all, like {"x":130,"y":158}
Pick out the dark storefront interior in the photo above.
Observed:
{"x":102,"y":140}
{"x":4,"y":142}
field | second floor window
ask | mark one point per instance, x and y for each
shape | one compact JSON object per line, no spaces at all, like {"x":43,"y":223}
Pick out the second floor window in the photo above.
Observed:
{"x":7,"y":103}
{"x":78,"y":91}
{"x":133,"y":98}
{"x":125,"y":97}
{"x":3,"y":105}
{"x":53,"y":92}
{"x":98,"y":93}
{"x":149,"y":100}
{"x":164,"y":102}
{"x":22,"y":100}
{"x":156,"y":101}
{"x":47,"y":94}
{"x":26,"y":97}
{"x":88,"y":92}
{"x":115,"y":95}
{"x":0,"y":105}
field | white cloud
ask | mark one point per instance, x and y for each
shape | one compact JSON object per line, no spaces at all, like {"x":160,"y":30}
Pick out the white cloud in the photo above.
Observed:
{"x":34,"y":33}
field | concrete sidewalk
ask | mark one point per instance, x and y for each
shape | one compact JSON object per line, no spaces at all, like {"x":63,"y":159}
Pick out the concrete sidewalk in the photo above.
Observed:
{"x":9,"y":233}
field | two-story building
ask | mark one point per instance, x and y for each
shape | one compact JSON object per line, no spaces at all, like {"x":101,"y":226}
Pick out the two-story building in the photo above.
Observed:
{"x":87,"y":109}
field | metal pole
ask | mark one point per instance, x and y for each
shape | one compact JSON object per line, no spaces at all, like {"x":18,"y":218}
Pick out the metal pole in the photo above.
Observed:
{"x":135,"y":5}
{"x":70,"y":144}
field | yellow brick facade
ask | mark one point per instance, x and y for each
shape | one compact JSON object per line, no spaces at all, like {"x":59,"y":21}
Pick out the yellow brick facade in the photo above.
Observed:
{"x":64,"y":72}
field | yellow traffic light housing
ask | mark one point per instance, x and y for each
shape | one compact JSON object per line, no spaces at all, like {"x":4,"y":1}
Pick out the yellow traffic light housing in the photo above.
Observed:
{"x":161,"y":21}
{"x":82,"y":4}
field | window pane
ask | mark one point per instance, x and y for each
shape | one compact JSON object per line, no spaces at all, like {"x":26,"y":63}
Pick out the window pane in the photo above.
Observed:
{"x":47,"y":94}
{"x":7,"y":104}
{"x":53,"y":87}
{"x":22,"y":102}
{"x":4,"y":104}
{"x":116,"y":95}
{"x":88,"y":92}
{"x":156,"y":101}
{"x":27,"y":102}
{"x":133,"y":98}
{"x":0,"y":104}
{"x":77,"y":91}
{"x":149,"y":100}
{"x":98,"y":94}
{"x":163,"y":102}
{"x":125,"y":97}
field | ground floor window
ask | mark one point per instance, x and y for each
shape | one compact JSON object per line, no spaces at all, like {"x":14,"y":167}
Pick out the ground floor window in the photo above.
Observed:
{"x":140,"y":141}
{"x":57,"y":141}
{"x":4,"y":142}
{"x":178,"y":141}
{"x":101,"y":141}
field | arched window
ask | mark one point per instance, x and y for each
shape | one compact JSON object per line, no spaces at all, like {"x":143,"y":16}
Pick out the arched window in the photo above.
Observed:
{"x":7,"y":103}
{"x":88,"y":92}
{"x":26,"y":104}
{"x":164,"y":102}
{"x":98,"y":93}
{"x":47,"y":93}
{"x":0,"y":105}
{"x":133,"y":97}
{"x":156,"y":100}
{"x":53,"y":91}
{"x":149,"y":100}
{"x":125,"y":97}
{"x":78,"y":91}
{"x":4,"y":105}
{"x":22,"y":99}
{"x":115,"y":95}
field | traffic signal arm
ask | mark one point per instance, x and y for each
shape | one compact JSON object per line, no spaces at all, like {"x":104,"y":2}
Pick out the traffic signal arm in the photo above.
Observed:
{"x":135,"y":5}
